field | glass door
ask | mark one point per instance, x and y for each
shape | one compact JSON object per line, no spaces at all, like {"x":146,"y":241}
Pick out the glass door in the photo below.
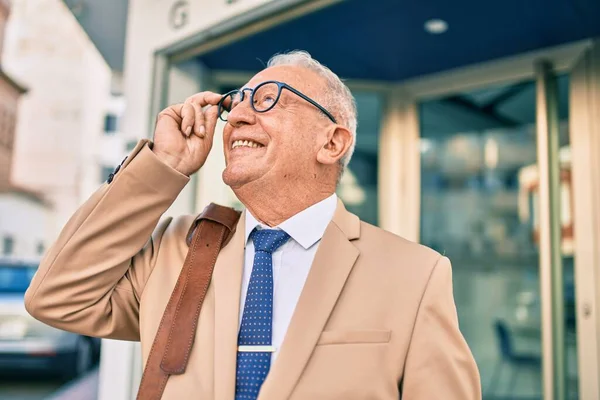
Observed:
{"x":480,"y":207}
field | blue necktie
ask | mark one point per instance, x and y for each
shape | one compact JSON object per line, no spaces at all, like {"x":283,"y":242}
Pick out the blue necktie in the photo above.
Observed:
{"x":256,"y":328}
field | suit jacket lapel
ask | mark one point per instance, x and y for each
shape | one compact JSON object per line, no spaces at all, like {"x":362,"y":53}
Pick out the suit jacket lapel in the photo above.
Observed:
{"x":227,"y":281}
{"x":332,"y":265}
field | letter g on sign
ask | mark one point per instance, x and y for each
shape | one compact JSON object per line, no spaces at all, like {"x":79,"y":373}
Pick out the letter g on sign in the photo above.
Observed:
{"x":179,"y":14}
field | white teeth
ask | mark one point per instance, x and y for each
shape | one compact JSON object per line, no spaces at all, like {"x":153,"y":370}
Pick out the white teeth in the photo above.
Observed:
{"x":245,"y":143}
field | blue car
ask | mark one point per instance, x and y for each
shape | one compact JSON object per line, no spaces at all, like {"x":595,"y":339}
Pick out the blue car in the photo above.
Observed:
{"x":28,"y":345}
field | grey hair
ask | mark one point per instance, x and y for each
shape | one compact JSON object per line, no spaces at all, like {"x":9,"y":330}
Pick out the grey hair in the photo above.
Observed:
{"x":339,"y":100}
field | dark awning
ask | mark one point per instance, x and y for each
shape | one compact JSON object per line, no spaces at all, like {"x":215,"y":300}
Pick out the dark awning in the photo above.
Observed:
{"x":386,"y":39}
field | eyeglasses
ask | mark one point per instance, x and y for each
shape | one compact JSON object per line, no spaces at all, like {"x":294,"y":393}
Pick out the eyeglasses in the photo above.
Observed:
{"x":263,"y":98}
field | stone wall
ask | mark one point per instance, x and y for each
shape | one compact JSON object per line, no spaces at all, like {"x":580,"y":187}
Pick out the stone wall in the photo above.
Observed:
{"x":60,"y":119}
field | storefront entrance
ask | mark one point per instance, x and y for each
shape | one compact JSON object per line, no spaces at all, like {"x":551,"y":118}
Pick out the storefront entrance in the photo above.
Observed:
{"x":491,"y":162}
{"x":488,"y":170}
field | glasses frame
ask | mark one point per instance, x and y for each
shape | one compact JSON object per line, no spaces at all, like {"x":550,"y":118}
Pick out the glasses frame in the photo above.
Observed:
{"x":280,"y":87}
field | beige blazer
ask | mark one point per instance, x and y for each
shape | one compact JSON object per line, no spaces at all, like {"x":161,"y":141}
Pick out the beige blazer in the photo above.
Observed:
{"x":376,"y":318}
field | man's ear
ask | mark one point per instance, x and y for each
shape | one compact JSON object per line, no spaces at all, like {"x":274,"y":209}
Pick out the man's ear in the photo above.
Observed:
{"x":339,"y":141}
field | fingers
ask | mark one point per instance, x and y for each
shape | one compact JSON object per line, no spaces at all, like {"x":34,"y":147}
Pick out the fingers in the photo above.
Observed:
{"x":199,"y":101}
{"x":199,"y":127}
{"x":188,"y":116}
{"x":192,"y":117}
{"x":204,"y":99}
{"x":211,"y":119}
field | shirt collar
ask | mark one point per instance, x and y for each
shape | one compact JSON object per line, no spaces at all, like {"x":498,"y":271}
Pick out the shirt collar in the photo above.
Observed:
{"x":307,"y":227}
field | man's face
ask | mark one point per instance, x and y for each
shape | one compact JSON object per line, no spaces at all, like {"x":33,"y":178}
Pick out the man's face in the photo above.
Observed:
{"x":287,"y":137}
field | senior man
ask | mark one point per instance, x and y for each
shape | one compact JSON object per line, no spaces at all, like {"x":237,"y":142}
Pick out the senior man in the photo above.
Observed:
{"x":347,"y":310}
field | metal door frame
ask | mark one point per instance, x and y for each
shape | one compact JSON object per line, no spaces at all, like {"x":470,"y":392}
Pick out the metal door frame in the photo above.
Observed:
{"x":401,"y":127}
{"x":584,"y":125}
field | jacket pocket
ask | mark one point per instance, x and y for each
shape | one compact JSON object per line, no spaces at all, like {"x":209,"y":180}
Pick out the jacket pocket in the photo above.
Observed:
{"x":354,"y":337}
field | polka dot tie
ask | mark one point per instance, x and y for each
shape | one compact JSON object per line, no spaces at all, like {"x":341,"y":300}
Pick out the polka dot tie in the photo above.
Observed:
{"x":252,"y":367}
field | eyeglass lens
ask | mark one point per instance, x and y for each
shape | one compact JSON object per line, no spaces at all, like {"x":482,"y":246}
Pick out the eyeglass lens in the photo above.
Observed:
{"x":263,"y":98}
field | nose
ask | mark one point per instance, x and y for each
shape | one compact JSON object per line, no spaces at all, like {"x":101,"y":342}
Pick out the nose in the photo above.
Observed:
{"x":242,"y":114}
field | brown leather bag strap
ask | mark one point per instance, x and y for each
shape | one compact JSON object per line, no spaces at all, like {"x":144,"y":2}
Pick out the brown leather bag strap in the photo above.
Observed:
{"x":173,"y":341}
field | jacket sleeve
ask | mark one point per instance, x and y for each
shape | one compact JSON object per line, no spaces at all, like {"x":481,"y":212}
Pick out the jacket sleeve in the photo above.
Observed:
{"x":439,"y":363}
{"x":91,"y":279}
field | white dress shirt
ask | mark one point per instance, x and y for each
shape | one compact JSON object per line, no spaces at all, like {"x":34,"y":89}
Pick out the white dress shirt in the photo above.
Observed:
{"x":291,"y":262}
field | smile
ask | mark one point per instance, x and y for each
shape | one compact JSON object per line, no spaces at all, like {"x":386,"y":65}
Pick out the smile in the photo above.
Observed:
{"x":245,"y":143}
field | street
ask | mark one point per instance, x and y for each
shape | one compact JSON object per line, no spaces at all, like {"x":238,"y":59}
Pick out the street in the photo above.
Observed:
{"x":39,"y":387}
{"x":28,"y":388}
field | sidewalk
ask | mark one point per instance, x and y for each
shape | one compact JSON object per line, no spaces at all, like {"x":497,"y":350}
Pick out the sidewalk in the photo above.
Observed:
{"x":84,"y":388}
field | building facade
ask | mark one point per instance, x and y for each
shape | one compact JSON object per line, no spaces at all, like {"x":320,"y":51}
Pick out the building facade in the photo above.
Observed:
{"x":60,"y":121}
{"x":10,"y":92}
{"x":479,"y":142}
{"x":113,"y":146}
{"x":23,"y":212}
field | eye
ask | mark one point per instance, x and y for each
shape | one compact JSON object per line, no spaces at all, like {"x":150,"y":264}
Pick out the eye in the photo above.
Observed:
{"x":265,"y":96}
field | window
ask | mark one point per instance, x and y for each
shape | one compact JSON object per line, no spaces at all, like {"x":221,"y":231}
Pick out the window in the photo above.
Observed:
{"x":358,"y":188}
{"x":8,"y":245}
{"x":478,"y":207}
{"x":110,"y":124}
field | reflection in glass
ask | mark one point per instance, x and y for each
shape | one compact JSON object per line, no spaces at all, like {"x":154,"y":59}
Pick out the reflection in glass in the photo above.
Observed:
{"x":358,"y":186}
{"x":478,"y":207}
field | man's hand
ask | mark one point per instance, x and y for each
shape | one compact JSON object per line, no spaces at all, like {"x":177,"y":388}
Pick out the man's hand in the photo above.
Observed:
{"x":184,"y":132}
